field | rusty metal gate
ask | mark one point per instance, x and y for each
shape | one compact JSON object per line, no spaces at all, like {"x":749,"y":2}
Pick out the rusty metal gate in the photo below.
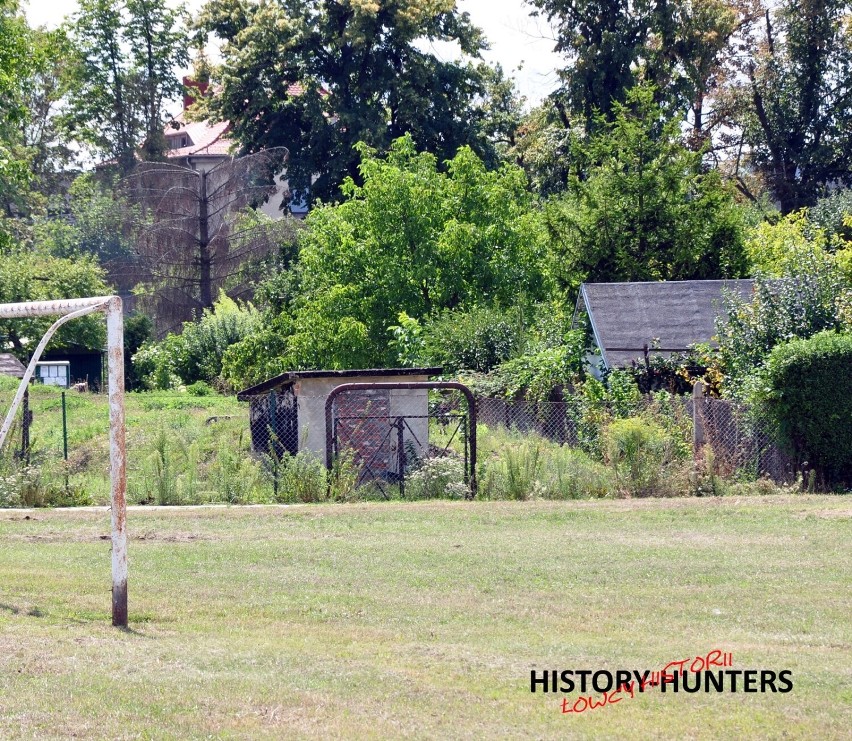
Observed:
{"x":395,"y":430}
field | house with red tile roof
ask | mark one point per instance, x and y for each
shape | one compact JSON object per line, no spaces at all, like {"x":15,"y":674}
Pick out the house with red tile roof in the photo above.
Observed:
{"x":201,"y":145}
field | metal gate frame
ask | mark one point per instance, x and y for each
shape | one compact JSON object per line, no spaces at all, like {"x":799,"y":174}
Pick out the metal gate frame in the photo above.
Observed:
{"x":428,"y":385}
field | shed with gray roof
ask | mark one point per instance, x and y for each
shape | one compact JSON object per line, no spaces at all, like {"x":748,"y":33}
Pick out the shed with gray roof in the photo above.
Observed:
{"x":11,"y":366}
{"x":663,"y":317}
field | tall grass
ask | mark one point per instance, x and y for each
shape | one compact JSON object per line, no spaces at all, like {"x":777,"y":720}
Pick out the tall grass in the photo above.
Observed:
{"x":524,"y":466}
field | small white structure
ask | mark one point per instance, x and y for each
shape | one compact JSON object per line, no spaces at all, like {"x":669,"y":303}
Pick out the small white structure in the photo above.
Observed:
{"x":287,"y":414}
{"x":54,"y":373}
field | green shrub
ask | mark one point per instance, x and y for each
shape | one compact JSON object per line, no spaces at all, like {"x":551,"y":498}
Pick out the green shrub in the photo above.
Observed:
{"x":302,"y":478}
{"x":814,"y":295}
{"x":478,"y":340}
{"x":538,"y":374}
{"x":196,"y":353}
{"x":637,"y":450}
{"x":806,"y":389}
{"x":200,"y":388}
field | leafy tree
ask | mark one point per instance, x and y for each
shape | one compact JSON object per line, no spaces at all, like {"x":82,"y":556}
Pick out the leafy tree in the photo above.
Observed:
{"x":603,"y":40}
{"x":478,"y":339}
{"x":612,"y":45}
{"x":411,"y":239}
{"x":15,"y":66}
{"x":318,"y":76}
{"x":644,"y":208}
{"x":831,"y":214}
{"x":19,"y":61}
{"x":779,"y":249}
{"x":45,"y":142}
{"x":125,"y":61}
{"x":29,"y":276}
{"x":793,"y":98}
{"x":811,"y":295}
{"x":542,"y":146}
{"x":92,"y":223}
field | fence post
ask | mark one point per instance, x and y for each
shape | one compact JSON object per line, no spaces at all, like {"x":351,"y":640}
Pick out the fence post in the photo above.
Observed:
{"x":272,"y":411}
{"x":64,"y":429}
{"x":698,"y":437}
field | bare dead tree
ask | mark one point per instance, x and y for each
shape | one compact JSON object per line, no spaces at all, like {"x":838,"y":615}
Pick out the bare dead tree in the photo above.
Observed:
{"x":192,"y":234}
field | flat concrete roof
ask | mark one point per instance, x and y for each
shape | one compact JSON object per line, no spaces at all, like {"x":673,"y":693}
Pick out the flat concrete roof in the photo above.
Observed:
{"x":290,"y":377}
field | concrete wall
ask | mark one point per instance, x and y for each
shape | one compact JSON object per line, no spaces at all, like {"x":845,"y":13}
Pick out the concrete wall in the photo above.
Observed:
{"x":312,"y":393}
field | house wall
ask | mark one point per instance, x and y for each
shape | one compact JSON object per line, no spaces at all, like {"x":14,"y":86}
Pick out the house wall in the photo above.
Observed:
{"x":312,"y":393}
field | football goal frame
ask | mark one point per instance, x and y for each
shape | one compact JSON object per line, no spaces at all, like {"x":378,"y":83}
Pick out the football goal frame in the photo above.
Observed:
{"x":67,"y":310}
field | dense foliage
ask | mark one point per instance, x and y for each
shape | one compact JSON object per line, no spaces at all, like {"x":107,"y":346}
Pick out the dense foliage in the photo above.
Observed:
{"x":644,"y":207}
{"x":450,"y":226}
{"x":807,"y":389}
{"x":810,"y":296}
{"x":412,"y":238}
{"x":126,"y":56}
{"x":196,"y":353}
{"x":28,"y":276}
{"x":318,"y":77}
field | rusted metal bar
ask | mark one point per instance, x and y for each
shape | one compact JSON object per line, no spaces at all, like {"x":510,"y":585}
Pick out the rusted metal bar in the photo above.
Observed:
{"x":344,"y":387}
{"x":73,"y":309}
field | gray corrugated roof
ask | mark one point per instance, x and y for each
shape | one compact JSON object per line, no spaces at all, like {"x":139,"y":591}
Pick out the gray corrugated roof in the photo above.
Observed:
{"x":627,"y":316}
{"x":11,"y":366}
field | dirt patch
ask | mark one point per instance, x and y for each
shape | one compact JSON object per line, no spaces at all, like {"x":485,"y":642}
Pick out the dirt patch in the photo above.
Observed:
{"x":179,"y":537}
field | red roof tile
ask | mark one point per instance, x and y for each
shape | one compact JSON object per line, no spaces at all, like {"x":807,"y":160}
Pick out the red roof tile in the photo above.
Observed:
{"x":208,"y":139}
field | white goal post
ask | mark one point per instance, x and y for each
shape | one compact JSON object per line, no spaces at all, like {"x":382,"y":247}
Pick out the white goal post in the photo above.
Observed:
{"x":69,"y":309}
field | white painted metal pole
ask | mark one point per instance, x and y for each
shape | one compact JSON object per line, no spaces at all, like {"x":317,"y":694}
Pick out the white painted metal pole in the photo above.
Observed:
{"x":117,"y":458}
{"x":72,"y":309}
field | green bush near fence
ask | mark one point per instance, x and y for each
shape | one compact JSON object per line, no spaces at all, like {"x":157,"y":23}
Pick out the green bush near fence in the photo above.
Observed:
{"x":806,"y":388}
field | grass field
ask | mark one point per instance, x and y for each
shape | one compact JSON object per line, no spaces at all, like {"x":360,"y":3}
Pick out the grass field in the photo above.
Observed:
{"x":424,"y":620}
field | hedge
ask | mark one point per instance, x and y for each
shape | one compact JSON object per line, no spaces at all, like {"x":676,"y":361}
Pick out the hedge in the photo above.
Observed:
{"x":807,"y":390}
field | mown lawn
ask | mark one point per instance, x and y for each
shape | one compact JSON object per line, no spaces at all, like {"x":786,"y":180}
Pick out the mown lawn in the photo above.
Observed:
{"x":424,"y":620}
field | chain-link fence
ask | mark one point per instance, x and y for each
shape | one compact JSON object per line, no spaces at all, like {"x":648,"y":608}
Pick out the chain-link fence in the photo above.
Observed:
{"x":744,"y":444}
{"x":403,"y":442}
{"x":181,"y":449}
{"x":394,"y":436}
{"x":386,"y":434}
{"x":36,"y":455}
